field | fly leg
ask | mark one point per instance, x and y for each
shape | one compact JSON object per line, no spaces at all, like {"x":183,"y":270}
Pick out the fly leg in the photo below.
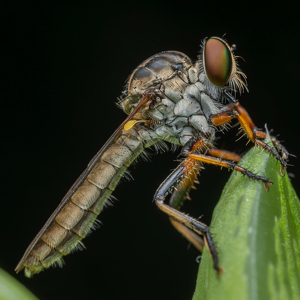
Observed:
{"x":235,"y":110}
{"x":198,"y":141}
{"x":181,"y":193}
{"x":224,"y":154}
{"x":194,"y":227}
{"x":280,"y":148}
{"x":259,"y":133}
{"x":192,"y":237}
{"x":262,"y":135}
{"x":183,"y":176}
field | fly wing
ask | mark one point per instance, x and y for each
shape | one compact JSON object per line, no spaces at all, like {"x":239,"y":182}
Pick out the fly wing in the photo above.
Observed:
{"x":29,"y":259}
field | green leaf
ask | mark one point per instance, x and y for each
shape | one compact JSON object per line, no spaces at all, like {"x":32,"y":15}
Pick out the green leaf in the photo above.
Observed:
{"x":258,"y":237}
{"x":11,"y":289}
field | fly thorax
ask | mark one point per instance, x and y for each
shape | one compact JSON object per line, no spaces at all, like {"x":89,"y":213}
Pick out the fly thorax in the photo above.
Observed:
{"x":179,"y":121}
{"x":197,"y":106}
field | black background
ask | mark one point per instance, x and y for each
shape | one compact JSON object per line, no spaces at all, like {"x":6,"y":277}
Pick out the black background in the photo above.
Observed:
{"x":63,"y":66}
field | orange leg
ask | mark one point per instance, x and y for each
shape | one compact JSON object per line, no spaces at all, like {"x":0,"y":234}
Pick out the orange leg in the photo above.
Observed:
{"x":192,"y":237}
{"x":227,"y":155}
{"x":235,"y":110}
{"x":230,"y":165}
{"x":183,"y":177}
{"x":197,"y":142}
{"x":179,"y":195}
{"x":181,"y":192}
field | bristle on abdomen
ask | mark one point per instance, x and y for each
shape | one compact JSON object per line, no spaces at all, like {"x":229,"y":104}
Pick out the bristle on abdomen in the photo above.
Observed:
{"x":77,"y":217}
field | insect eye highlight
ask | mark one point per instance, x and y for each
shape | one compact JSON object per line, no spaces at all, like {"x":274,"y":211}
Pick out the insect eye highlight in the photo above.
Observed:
{"x":217,"y":61}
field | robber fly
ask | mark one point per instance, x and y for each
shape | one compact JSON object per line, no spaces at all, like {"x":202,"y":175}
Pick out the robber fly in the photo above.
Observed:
{"x":168,"y":99}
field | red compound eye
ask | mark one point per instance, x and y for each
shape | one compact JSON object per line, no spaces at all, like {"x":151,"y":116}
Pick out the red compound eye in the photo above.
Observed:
{"x":217,"y":61}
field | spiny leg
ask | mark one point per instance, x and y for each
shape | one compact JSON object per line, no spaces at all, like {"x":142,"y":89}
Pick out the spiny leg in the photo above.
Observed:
{"x":197,"y":142}
{"x":259,"y":133}
{"x":235,"y":110}
{"x":194,"y":225}
{"x":185,"y":224}
{"x":262,"y":135}
{"x":181,"y":193}
{"x":280,"y":148}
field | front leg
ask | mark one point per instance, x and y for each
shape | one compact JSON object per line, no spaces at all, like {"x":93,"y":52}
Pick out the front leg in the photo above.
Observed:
{"x":235,"y":110}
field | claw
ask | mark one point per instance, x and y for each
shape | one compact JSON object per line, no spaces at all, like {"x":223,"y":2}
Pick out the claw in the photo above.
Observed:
{"x":219,"y":270}
{"x":282,"y":170}
{"x":266,"y":185}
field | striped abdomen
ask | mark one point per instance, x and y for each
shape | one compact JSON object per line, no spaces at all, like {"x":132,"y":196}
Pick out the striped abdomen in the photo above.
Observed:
{"x":72,"y":220}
